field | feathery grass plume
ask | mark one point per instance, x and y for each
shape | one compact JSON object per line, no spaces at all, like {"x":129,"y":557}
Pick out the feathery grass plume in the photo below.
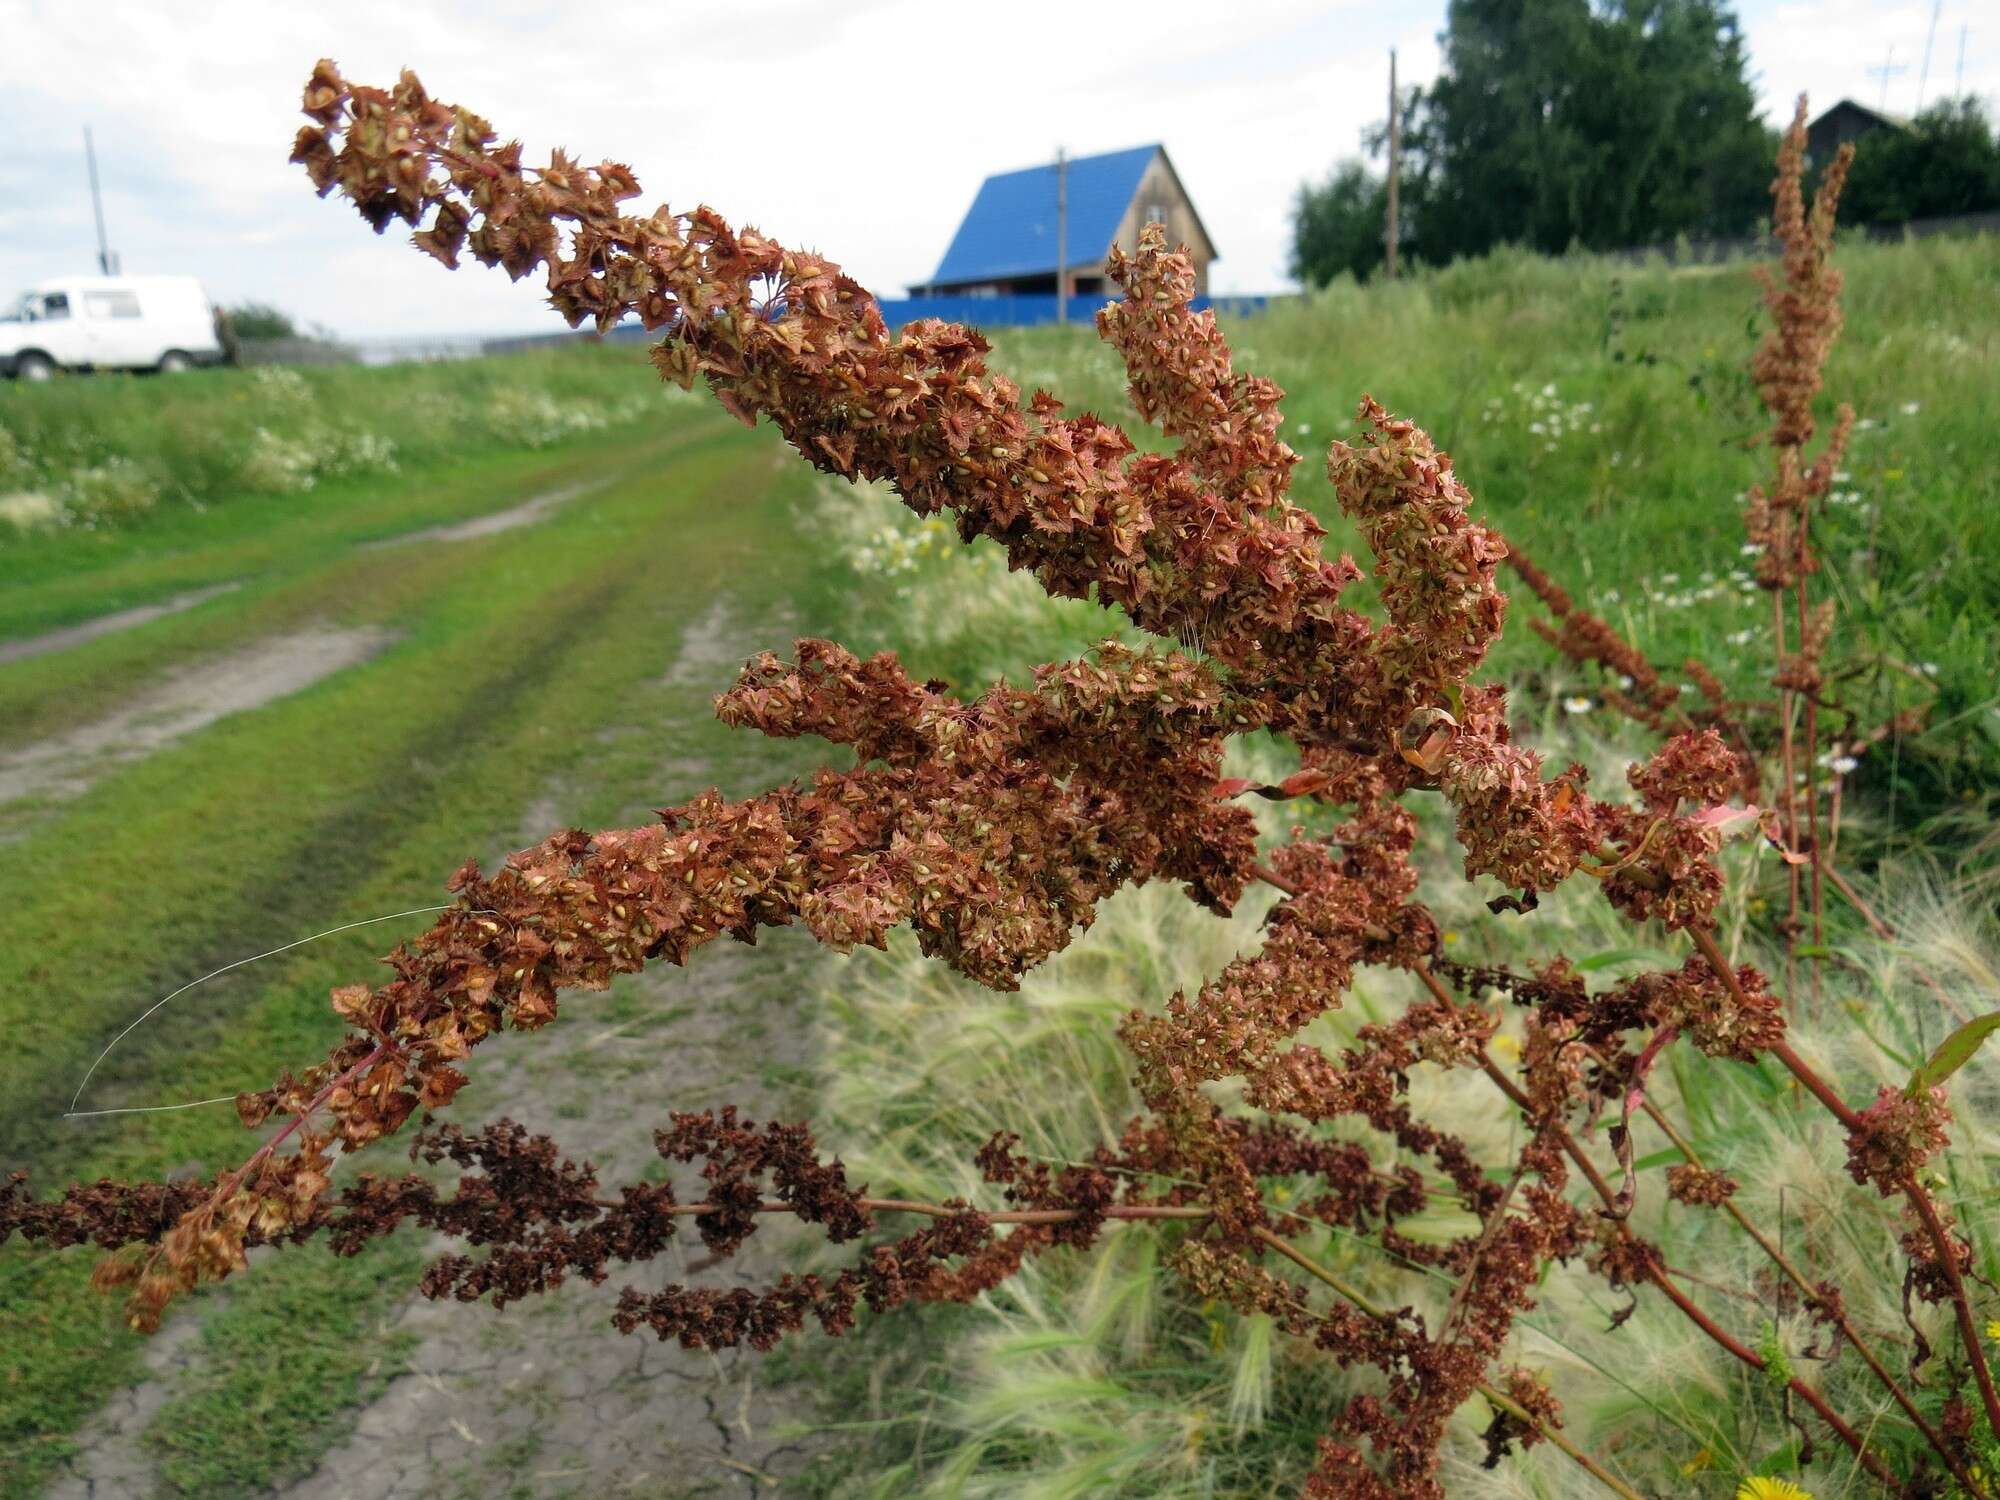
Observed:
{"x":996,"y":824}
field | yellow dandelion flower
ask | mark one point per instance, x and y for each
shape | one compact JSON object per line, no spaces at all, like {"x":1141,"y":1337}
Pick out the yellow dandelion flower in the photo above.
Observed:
{"x":1506,"y":1045}
{"x":1993,"y":1330}
{"x":1761,"y":1488}
{"x":1702,"y":1460}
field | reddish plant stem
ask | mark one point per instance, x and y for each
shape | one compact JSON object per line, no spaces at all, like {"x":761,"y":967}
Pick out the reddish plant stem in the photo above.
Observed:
{"x":1493,"y":1222}
{"x":1913,"y":1191}
{"x":1832,"y":1310}
{"x":945,"y":1211}
{"x":1968,"y":1331}
{"x":1817,"y":1086}
{"x":1804,"y":1392}
{"x":228,"y":1186}
{"x":1501,"y":1401}
{"x":1498,"y":1077}
{"x":1840,"y":883}
{"x":1658,"y":1276}
{"x":1272,"y":878}
{"x":1191,"y":1211}
{"x":1812,"y":778}
{"x":1788,"y":771}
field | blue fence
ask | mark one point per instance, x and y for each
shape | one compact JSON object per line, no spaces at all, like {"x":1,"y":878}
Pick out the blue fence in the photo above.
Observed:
{"x":978,"y":312}
{"x":1027,"y":311}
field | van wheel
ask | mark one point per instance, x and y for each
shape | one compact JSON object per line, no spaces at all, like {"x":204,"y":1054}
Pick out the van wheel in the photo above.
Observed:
{"x":173,"y":362}
{"x":35,"y":367}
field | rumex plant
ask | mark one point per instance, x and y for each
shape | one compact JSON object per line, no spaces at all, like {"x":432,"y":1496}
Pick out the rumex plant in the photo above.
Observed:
{"x":994,"y":824}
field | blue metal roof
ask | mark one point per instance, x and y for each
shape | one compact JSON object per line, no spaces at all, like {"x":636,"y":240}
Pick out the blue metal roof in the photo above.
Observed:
{"x":1010,"y":230}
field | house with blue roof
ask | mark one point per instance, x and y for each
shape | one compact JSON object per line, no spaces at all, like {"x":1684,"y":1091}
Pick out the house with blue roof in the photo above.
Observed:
{"x":1006,"y":245}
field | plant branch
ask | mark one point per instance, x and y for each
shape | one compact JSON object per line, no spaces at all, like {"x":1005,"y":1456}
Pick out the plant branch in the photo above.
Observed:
{"x":1500,"y":1400}
{"x":1832,"y":1309}
{"x":1913,"y":1191}
{"x":1968,"y":1331}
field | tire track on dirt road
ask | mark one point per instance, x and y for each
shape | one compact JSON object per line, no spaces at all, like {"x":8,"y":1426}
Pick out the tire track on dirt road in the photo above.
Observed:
{"x":545,"y":1398}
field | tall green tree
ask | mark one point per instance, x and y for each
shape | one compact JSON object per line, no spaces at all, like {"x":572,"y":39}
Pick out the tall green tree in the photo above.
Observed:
{"x":1556,"y":122}
{"x":1337,"y":225}
{"x":1947,"y":162}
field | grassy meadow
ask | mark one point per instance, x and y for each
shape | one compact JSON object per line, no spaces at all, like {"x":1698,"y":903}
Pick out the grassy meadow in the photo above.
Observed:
{"x":526,"y":676}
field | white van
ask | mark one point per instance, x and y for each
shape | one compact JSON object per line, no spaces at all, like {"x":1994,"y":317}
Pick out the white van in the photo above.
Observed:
{"x":163,"y":323}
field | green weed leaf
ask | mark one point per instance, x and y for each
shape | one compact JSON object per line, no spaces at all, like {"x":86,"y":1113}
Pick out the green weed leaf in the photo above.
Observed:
{"x":1954,"y":1052}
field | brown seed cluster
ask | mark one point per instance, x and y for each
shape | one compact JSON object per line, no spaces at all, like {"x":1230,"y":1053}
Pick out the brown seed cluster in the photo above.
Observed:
{"x":993,"y":824}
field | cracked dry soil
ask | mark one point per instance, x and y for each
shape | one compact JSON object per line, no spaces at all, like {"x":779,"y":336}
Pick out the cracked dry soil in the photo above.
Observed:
{"x":543,"y":1397}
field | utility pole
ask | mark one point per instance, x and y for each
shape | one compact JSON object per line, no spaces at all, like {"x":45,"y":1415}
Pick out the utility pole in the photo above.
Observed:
{"x":1395,"y":165}
{"x":1062,"y":235}
{"x":104,"y":261}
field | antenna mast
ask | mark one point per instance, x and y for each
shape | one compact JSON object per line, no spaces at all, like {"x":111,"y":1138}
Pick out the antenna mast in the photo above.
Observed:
{"x":1889,"y":69}
{"x":106,"y":262}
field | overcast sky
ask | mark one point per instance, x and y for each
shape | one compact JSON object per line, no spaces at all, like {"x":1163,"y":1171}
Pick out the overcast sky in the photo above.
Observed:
{"x":860,"y":128}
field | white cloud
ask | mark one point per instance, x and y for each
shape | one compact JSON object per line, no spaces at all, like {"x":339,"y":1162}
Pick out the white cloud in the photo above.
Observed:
{"x":861,"y":128}
{"x":1832,"y":49}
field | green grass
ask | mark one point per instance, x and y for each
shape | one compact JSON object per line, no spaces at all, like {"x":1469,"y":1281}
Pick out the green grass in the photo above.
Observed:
{"x":1087,"y":1374}
{"x":1660,"y":356}
{"x":526,"y":666}
{"x":105,"y":451}
{"x":237,"y":1426}
{"x":521,"y":666}
{"x":1091,"y":1373}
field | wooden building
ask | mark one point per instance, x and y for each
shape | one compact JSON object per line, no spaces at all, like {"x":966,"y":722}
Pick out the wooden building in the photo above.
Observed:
{"x":1846,"y":121}
{"x":1006,"y":245}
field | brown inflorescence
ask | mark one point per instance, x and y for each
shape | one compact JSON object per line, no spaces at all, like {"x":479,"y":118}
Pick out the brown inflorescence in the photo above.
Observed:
{"x":993,"y":825}
{"x":1688,"y":1183}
